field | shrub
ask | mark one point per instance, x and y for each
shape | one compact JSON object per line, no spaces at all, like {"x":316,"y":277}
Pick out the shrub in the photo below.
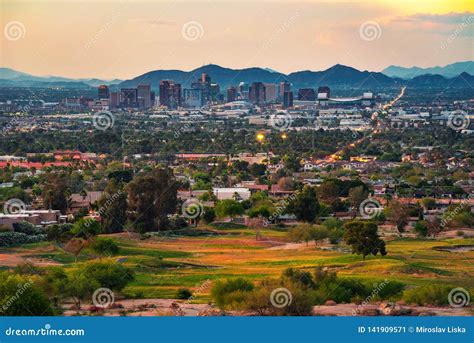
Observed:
{"x":105,"y":246}
{"x":427,"y":295}
{"x":11,"y":239}
{"x":27,"y":228}
{"x":108,"y":274}
{"x":230,"y":294}
{"x":184,"y":293}
{"x":19,"y":296}
{"x":59,"y":233}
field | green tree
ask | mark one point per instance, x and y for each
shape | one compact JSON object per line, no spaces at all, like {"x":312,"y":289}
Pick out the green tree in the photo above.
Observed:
{"x":113,"y":207}
{"x":152,"y":197}
{"x":363,"y":238}
{"x":229,"y":208}
{"x":305,"y":206}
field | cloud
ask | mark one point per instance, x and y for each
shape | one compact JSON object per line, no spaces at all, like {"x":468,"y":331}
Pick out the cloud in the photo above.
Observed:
{"x":446,"y":19}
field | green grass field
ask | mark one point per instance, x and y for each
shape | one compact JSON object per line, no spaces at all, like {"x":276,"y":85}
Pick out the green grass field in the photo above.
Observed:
{"x":163,"y":265}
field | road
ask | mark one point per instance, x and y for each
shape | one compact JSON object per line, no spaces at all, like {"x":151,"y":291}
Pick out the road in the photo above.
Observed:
{"x":375,"y":116}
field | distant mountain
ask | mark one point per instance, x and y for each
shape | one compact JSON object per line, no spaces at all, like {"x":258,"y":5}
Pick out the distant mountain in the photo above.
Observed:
{"x":342,"y":76}
{"x":13,"y":78}
{"x":337,"y":75}
{"x":463,"y":80}
{"x":223,"y":76}
{"x":450,"y":70}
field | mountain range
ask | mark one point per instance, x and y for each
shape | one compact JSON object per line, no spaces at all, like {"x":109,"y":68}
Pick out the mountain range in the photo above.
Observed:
{"x":338,"y":76}
{"x":450,"y":70}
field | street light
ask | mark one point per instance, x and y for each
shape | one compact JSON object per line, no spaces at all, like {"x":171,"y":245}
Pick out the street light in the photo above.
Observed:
{"x":260,"y":137}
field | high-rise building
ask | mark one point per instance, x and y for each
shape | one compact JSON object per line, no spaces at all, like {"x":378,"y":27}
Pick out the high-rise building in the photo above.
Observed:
{"x":128,"y":97}
{"x":214,"y":90}
{"x":288,"y":99}
{"x":257,"y":93}
{"x":192,"y":98}
{"x":284,"y":87}
{"x":170,"y":94}
{"x":144,"y":95}
{"x":103,"y":92}
{"x":324,"y":90}
{"x":114,"y":100}
{"x":306,"y":94}
{"x":204,"y":84}
{"x":271,"y":93}
{"x":231,"y":94}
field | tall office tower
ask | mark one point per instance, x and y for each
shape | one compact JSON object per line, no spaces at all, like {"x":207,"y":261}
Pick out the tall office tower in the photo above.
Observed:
{"x":271,"y":93}
{"x":288,"y":99}
{"x":114,"y":100}
{"x":231,"y":94}
{"x":192,"y":98}
{"x":324,"y":90}
{"x":144,"y":95}
{"x":175,"y":92}
{"x":243,"y":91}
{"x":165,"y":92}
{"x":306,"y":94}
{"x":103,"y":92}
{"x":257,"y":93}
{"x":284,"y":87}
{"x":128,"y":97}
{"x":204,"y":84}
{"x":170,"y":94}
{"x":214,"y":91}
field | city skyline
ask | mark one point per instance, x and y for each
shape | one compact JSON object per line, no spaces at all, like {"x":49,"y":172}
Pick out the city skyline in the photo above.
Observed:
{"x":122,"y":40}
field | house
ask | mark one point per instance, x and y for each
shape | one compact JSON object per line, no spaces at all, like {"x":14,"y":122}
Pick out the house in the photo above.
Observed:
{"x":236,"y":193}
{"x":79,"y":201}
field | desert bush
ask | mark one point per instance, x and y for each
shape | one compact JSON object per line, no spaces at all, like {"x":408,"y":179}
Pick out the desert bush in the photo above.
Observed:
{"x":19,"y":296}
{"x":27,"y":228}
{"x":105,"y":246}
{"x":230,"y":294}
{"x":108,"y":273}
{"x":184,"y":293}
{"x":436,"y":295}
{"x":11,"y":239}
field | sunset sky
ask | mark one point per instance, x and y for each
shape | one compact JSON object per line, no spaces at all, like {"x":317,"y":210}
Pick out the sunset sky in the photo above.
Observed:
{"x":123,"y":39}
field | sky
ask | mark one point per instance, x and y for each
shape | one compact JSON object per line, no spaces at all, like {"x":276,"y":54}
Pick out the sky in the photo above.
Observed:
{"x":123,"y":39}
